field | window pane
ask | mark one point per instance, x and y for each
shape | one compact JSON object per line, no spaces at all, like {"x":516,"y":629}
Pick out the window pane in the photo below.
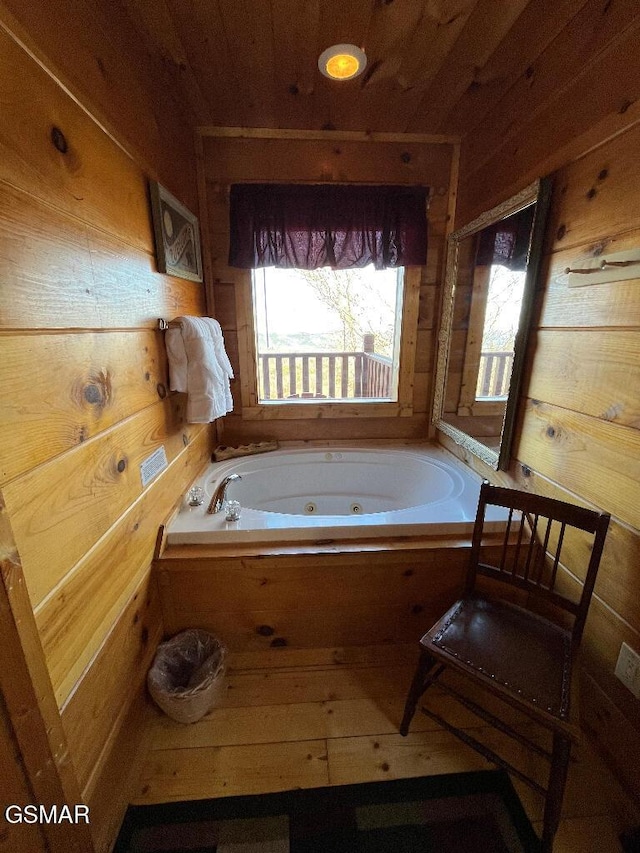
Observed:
{"x":502,"y":317}
{"x":327,"y":334}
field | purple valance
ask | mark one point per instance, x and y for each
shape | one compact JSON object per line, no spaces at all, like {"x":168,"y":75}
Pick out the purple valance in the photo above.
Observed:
{"x":305,"y":226}
{"x":507,"y":242}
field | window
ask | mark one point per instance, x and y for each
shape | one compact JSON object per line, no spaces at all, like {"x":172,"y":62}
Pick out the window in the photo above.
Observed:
{"x":491,"y":277}
{"x":324,"y":260}
{"x":327,"y":334}
{"x":501,"y":320}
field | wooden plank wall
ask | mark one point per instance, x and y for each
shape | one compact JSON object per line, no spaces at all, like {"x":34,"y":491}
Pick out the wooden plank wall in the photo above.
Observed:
{"x":14,"y":789}
{"x":287,"y":160}
{"x":84,"y":398}
{"x":26,"y":691}
{"x":95,"y":51}
{"x":578,"y":436}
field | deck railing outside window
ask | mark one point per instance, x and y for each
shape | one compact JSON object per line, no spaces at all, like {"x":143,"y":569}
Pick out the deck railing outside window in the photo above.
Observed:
{"x":357,"y":375}
{"x":328,"y":375}
{"x":494,"y":375}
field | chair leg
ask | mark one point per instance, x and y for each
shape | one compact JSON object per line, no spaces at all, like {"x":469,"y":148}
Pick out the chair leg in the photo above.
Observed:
{"x":418,"y":686}
{"x":555,"y":790}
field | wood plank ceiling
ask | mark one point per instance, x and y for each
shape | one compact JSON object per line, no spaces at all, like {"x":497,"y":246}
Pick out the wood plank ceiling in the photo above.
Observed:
{"x":434,"y":66}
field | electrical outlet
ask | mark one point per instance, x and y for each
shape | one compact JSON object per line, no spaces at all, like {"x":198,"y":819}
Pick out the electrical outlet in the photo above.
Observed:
{"x":628,"y":669}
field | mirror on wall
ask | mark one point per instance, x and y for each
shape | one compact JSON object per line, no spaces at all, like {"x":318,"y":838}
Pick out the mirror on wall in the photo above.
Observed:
{"x":491,"y":269}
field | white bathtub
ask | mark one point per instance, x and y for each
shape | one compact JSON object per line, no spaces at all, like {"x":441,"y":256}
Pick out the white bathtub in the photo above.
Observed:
{"x":335,"y":493}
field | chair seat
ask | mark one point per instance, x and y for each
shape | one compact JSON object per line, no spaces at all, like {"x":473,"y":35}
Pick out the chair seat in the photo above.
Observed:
{"x":525,"y":654}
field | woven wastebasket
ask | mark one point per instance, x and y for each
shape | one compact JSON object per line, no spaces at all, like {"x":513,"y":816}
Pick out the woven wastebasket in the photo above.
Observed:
{"x":186,"y":677}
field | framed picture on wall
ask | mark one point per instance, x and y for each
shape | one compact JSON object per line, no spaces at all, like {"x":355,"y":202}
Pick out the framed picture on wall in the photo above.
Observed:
{"x":177,"y":235}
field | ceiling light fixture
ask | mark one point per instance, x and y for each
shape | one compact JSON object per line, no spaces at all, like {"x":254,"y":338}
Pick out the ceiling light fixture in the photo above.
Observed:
{"x":342,"y":62}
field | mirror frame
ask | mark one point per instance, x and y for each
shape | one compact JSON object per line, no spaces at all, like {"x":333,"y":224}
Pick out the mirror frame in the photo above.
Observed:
{"x":539,"y":192}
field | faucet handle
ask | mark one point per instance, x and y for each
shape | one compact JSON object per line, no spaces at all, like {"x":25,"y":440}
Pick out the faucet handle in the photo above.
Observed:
{"x":233,"y":511}
{"x":195,"y":496}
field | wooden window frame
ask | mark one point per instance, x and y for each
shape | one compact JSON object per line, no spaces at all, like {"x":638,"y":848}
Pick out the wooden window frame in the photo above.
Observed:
{"x":301,"y":409}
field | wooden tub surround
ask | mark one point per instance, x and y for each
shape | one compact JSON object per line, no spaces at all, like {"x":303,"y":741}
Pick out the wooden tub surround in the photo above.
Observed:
{"x":309,"y":595}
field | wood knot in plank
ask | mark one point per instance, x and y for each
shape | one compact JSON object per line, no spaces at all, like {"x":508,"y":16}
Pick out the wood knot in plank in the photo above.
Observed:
{"x":95,"y":390}
{"x":59,"y":140}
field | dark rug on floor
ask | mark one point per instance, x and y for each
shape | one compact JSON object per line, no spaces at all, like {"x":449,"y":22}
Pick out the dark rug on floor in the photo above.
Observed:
{"x":462,"y":813}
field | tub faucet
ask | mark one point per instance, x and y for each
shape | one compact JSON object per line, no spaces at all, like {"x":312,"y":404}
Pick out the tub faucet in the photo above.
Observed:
{"x":220,"y":495}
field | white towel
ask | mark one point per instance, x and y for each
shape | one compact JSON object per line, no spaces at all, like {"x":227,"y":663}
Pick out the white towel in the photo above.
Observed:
{"x":199,"y":366}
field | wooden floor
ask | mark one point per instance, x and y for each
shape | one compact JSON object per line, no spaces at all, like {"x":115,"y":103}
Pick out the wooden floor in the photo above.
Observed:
{"x":291,"y":718}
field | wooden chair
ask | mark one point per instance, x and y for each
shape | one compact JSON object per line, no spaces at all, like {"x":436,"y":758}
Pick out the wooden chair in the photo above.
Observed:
{"x":509,"y":647}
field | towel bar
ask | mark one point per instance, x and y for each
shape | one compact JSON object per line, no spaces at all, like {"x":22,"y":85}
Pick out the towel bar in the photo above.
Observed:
{"x":163,"y":325}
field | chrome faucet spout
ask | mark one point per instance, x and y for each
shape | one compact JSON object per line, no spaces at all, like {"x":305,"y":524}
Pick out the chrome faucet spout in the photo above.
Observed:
{"x":220,"y":495}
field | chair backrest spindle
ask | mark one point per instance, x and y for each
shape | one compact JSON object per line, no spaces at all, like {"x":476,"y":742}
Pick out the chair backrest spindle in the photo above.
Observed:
{"x":516,"y":556}
{"x":556,"y":562}
{"x":530,"y":555}
{"x":542,"y":552}
{"x":505,"y":542}
{"x":532,"y":547}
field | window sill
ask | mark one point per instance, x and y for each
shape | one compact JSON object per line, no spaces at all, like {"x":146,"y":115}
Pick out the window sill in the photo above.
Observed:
{"x":310,"y":409}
